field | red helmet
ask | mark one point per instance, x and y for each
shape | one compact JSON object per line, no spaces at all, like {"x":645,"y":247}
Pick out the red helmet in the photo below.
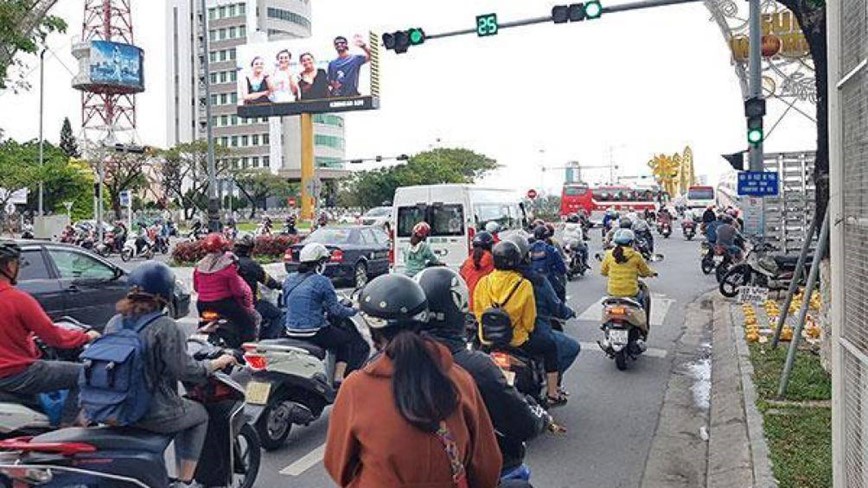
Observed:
{"x":422,"y":229}
{"x":215,"y":242}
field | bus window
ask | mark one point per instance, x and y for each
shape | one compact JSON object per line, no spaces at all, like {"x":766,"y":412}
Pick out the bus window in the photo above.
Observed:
{"x":575,"y":191}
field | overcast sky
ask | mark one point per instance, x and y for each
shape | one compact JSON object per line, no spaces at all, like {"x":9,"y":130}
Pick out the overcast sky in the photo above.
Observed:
{"x":625,"y":86}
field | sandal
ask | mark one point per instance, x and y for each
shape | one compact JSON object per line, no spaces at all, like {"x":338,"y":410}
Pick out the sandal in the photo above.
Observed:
{"x":557,"y":401}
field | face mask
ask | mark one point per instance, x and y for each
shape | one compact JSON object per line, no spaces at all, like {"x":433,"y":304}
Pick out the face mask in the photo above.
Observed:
{"x":320,"y":268}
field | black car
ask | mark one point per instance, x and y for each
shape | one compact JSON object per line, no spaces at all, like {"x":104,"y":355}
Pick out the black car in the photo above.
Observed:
{"x":68,"y":280}
{"x":359,"y":253}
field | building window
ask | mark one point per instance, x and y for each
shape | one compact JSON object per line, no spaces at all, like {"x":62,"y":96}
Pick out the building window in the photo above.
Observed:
{"x":265,"y":139}
{"x":234,"y":119}
{"x":233,"y":76}
{"x":266,"y":161}
{"x":255,"y":161}
{"x":224,"y":120}
{"x":213,"y":78}
{"x":245,"y":141}
{"x":232,"y":54}
{"x":323,"y":162}
{"x":232,"y":11}
{"x":242,"y":31}
{"x":244,"y":163}
{"x":233,"y":98}
{"x":328,"y":119}
{"x":212,"y":35}
{"x":234,"y":141}
{"x":242,"y":9}
{"x":278,"y":13}
{"x":255,"y":139}
{"x":329,"y":141}
{"x":212,"y":56}
{"x":222,"y":11}
{"x":212,"y":13}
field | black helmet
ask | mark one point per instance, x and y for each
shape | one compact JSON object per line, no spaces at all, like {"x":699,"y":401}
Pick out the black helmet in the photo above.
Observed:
{"x":245,"y":243}
{"x":521,"y":241}
{"x":484,"y":240}
{"x":448,"y":298}
{"x":573,"y":218}
{"x":625,"y":223}
{"x":507,"y":255}
{"x":393,"y":300}
{"x":152,"y":280}
{"x":541,"y":232}
{"x":9,"y":251}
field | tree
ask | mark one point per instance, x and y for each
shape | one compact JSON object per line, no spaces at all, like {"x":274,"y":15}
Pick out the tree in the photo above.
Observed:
{"x":24,"y":26}
{"x":67,"y":141}
{"x":257,"y":185}
{"x":18,"y":165}
{"x":372,"y":188}
{"x":185,"y":173}
{"x":123,"y":171}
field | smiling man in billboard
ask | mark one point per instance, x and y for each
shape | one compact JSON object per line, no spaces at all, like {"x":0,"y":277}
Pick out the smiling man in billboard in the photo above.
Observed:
{"x":344,"y":71}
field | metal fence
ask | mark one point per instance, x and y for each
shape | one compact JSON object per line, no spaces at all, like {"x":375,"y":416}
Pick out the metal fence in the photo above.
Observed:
{"x":788,"y":216}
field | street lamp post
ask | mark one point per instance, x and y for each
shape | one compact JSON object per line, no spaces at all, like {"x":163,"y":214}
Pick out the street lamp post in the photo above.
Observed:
{"x":41,"y":116}
{"x":213,"y":204}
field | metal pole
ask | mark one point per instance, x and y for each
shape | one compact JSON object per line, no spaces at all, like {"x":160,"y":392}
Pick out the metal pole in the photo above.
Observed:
{"x":755,"y":151}
{"x":99,"y":193}
{"x":794,"y":285}
{"x":41,"y":116}
{"x":803,"y":312}
{"x":213,"y":203}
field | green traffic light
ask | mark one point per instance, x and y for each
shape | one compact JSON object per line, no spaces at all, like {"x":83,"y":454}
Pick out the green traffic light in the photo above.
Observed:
{"x":417,"y":36}
{"x":593,"y":9}
{"x":755,"y":136}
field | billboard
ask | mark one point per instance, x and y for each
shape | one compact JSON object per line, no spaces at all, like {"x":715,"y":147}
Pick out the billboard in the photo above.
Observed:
{"x":313,"y":75}
{"x":116,"y":64}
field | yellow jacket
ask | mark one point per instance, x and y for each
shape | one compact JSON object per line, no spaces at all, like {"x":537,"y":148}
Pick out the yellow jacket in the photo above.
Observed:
{"x":521,"y":307}
{"x":624,"y":277}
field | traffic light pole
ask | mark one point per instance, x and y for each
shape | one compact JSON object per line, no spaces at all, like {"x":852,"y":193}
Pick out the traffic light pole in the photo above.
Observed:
{"x":755,"y":151}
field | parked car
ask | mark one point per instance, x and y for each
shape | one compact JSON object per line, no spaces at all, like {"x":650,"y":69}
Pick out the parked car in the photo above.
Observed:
{"x":69,"y":280}
{"x":359,"y":253}
{"x":378,"y":216}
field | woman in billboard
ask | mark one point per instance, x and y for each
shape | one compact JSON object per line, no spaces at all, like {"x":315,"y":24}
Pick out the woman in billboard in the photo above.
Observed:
{"x":258,"y":86}
{"x":313,"y":83}
{"x":283,"y":83}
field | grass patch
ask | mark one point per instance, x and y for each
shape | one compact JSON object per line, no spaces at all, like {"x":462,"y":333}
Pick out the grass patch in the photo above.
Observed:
{"x":808,"y":381}
{"x":800,"y":441}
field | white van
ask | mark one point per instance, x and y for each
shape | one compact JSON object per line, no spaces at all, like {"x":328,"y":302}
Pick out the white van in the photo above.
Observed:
{"x":455,"y":213}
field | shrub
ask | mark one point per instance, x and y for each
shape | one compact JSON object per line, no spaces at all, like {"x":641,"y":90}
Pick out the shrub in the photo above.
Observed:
{"x":267,"y":248}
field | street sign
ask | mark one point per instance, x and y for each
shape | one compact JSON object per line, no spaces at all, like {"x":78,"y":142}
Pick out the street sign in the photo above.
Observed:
{"x":125,"y":198}
{"x":754,"y":219}
{"x":486,"y":25}
{"x":531,"y":194}
{"x":758,"y":183}
{"x":752,"y":294}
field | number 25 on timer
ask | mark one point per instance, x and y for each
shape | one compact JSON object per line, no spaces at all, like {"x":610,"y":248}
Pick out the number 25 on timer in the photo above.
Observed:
{"x":486,"y":25}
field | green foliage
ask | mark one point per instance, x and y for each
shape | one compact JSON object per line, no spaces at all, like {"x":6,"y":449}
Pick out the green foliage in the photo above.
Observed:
{"x":809,"y":381}
{"x":372,"y":188}
{"x":18,"y":168}
{"x":800,"y":442}
{"x":259,"y":184}
{"x":67,"y":140}
{"x":189,"y":162}
{"x":23,"y":28}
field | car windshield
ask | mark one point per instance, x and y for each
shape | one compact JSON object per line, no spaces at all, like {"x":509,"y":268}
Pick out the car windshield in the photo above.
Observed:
{"x":379,"y":212}
{"x":701,"y":194}
{"x":575,"y":191}
{"x":333,"y":235}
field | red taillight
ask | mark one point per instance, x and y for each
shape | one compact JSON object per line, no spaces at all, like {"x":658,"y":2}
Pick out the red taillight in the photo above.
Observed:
{"x":256,"y":362}
{"x":501,"y":359}
{"x":337,"y":256}
{"x":287,"y":256}
{"x":62,"y":448}
{"x":471,"y":233}
{"x":210,"y":316}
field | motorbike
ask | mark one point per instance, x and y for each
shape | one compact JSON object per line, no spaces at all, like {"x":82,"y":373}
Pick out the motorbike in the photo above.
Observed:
{"x":27,"y":232}
{"x":36,"y":414}
{"x":137,"y":246}
{"x":623,"y":320}
{"x":711,"y":257}
{"x":523,"y":371}
{"x":125,"y":456}
{"x":664,"y":229}
{"x":577,"y":251}
{"x":107,"y":245}
{"x":761,"y":268}
{"x":688,"y":228}
{"x":643,"y":246}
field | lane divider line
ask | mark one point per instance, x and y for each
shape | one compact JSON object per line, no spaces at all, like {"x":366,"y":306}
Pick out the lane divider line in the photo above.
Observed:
{"x":305,"y":462}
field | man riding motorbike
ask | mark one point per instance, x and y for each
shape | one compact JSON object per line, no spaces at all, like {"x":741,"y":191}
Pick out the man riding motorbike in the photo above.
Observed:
{"x":624,"y":223}
{"x":608,"y":219}
{"x":643,"y":231}
{"x":728,"y":237}
{"x":574,"y":237}
{"x":289,"y":226}
{"x":624,"y":266}
{"x":254,"y":274}
{"x":22,"y":372}
{"x":548,"y":261}
{"x":514,"y":419}
{"x":494,"y":229}
{"x":311,"y":301}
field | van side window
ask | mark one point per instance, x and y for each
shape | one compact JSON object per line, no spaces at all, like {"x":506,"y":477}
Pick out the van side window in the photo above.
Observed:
{"x":407,"y":218}
{"x":446,"y":220}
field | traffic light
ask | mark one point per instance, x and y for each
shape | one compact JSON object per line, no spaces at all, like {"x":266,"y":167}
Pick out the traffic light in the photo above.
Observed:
{"x":736,"y":160}
{"x":754,"y":110}
{"x":400,"y":41}
{"x":576,"y":12}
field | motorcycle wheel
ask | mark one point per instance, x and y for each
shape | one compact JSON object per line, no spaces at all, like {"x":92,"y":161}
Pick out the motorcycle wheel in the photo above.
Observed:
{"x":721,"y":270}
{"x":274,"y":424}
{"x":707,"y":265}
{"x":689,"y":237}
{"x":736,"y":277}
{"x":621,"y":359}
{"x":247,"y":456}
{"x":126,"y":255}
{"x":150,"y":253}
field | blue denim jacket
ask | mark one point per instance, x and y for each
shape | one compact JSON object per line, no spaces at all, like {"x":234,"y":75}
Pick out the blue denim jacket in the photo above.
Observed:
{"x":308,"y":298}
{"x":546,"y":259}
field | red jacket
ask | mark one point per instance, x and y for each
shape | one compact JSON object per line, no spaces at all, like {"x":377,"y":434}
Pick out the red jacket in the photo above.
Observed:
{"x":21,"y":317}
{"x":472,"y":275}
{"x":216,"y":278}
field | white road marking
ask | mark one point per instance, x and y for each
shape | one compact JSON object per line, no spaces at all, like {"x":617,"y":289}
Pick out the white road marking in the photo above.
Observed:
{"x":650,"y":352}
{"x":304,"y":463}
{"x":659,"y":308}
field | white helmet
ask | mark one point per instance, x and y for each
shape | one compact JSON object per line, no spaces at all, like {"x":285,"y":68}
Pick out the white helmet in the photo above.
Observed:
{"x":313,"y":253}
{"x":492,"y":227}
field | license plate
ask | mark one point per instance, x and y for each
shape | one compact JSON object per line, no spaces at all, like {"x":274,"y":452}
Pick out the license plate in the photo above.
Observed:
{"x":257,"y":392}
{"x":618,"y":336}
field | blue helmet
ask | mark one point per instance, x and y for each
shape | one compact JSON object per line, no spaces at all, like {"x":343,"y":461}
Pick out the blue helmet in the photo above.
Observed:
{"x":624,"y":237}
{"x":152,"y":279}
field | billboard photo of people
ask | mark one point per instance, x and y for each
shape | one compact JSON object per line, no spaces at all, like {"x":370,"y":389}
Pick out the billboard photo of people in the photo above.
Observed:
{"x":113,"y":63}
{"x":308,"y":76}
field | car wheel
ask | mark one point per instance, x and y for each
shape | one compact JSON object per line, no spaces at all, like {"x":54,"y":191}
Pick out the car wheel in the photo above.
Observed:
{"x":360,"y":276}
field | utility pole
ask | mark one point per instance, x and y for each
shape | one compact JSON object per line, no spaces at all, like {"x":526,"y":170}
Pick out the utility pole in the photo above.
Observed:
{"x":213,"y":203}
{"x":41,"y":116}
{"x":755,"y":151}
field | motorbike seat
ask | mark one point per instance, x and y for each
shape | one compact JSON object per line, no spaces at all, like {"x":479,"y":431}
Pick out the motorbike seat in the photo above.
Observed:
{"x":622,"y":301}
{"x":311,"y":348}
{"x":110,"y":438}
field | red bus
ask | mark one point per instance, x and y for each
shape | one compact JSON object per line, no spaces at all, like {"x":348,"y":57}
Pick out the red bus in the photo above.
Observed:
{"x":576,"y":197}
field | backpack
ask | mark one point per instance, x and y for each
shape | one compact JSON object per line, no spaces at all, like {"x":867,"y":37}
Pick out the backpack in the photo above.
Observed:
{"x":496,"y":323}
{"x":113,"y":383}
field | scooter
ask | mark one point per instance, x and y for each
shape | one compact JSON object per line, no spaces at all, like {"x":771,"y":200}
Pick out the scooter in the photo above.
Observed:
{"x":643,"y":246}
{"x":623,"y":321}
{"x":107,"y":245}
{"x":523,"y":371}
{"x":688,"y":228}
{"x":124,"y":457}
{"x":27,"y":232}
{"x":763,"y":269}
{"x":665,"y":229}
{"x":135,"y":247}
{"x":578,"y":258}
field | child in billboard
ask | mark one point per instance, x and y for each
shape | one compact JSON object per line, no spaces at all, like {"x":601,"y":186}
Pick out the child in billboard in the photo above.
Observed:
{"x":344,"y":71}
{"x":313,"y":82}
{"x":284,"y":88}
{"x":257,"y":87}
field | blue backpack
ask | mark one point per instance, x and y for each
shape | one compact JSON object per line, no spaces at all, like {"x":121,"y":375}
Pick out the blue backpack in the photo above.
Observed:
{"x":113,"y":384}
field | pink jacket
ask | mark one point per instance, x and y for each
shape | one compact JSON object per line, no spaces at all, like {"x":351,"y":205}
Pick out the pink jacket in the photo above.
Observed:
{"x":216,"y":278}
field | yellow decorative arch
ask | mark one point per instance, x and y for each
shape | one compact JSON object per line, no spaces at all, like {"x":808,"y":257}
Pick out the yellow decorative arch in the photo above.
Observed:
{"x":674,"y":173}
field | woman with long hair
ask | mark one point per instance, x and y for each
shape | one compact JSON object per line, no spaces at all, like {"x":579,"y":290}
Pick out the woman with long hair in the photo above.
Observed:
{"x":258,"y":85}
{"x":624,"y":266}
{"x":410,"y":417}
{"x":313,"y":82}
{"x":284,"y":88}
{"x":479,"y":263}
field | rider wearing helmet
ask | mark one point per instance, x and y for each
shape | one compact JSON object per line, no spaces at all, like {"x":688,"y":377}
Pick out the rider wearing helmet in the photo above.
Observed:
{"x":254,"y":275}
{"x":548,"y":261}
{"x":289,"y":226}
{"x":728,"y":236}
{"x":315,"y":315}
{"x":166,"y":363}
{"x":515,"y":421}
{"x":623,"y":265}
{"x":421,"y":402}
{"x":611,"y":216}
{"x":494,"y":228}
{"x":22,"y":372}
{"x":419,"y":255}
{"x":623,"y":223}
{"x":507,"y":288}
{"x":479,"y":263}
{"x":222,"y":290}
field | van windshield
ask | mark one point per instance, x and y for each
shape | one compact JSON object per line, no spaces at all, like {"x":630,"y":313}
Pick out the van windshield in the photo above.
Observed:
{"x":445,"y":220}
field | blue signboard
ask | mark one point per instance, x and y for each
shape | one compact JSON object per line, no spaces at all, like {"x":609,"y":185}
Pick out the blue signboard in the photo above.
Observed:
{"x":117,"y":64}
{"x":758,"y":183}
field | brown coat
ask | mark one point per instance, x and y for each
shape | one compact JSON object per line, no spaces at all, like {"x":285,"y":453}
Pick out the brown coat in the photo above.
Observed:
{"x":370,"y":445}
